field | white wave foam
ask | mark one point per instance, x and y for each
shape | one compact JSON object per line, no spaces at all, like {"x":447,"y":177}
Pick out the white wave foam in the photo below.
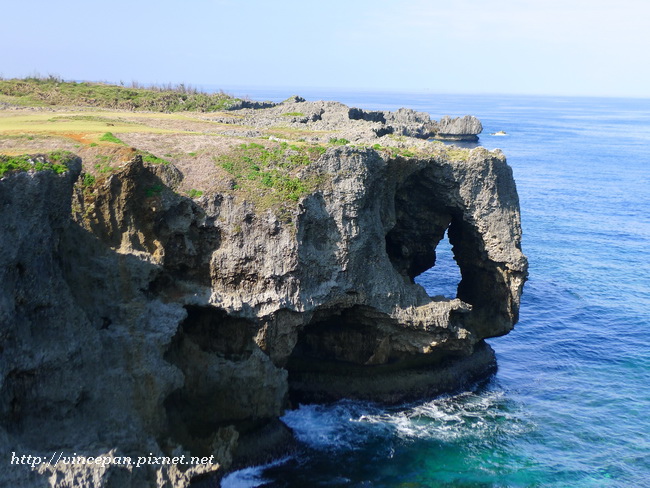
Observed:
{"x":249,"y":477}
{"x":348,"y":425}
{"x":329,"y":426}
{"x":449,"y":418}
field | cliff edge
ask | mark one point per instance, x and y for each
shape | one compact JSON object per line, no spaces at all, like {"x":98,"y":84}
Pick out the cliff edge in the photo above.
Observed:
{"x":136,"y":320}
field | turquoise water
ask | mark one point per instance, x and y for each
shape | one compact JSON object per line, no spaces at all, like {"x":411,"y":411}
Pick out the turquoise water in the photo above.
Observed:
{"x":570,"y":403}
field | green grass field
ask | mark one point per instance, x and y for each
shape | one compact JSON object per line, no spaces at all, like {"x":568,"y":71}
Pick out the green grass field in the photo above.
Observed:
{"x":53,"y":91}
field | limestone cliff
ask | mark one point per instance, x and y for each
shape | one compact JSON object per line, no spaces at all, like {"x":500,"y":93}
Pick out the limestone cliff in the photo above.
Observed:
{"x":134,"y":320}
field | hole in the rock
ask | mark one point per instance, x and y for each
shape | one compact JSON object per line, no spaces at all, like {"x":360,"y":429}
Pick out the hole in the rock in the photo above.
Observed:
{"x":208,"y":347}
{"x":419,"y":244}
{"x":352,"y":335}
{"x":443,"y":278}
{"x":214,"y":331}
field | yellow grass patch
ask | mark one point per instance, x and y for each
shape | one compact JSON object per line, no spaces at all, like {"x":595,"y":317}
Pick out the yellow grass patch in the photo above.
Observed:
{"x":82,"y":127}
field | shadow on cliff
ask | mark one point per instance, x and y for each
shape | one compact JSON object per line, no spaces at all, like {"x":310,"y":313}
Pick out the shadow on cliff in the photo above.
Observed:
{"x":91,"y":306}
{"x":136,"y":210}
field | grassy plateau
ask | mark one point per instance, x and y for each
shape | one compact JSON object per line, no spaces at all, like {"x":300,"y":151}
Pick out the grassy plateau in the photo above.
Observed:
{"x":107,"y":125}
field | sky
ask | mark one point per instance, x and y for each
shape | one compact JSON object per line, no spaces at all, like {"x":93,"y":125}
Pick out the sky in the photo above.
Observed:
{"x":547,"y":47}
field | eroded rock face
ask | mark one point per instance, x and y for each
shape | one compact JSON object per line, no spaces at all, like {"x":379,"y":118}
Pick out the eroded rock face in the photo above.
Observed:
{"x":83,"y":366}
{"x":150,"y":322}
{"x":466,"y":128}
{"x":352,"y":123}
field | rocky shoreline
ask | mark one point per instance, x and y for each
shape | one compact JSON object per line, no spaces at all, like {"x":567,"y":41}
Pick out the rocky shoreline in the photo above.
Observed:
{"x":354,"y":124}
{"x":138,"y":319}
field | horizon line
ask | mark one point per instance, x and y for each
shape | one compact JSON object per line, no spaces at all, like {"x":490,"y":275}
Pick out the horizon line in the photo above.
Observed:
{"x":295,"y":90}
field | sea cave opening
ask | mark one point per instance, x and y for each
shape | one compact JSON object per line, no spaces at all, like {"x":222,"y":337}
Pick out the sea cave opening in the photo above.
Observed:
{"x":419,"y":245}
{"x":443,"y":278}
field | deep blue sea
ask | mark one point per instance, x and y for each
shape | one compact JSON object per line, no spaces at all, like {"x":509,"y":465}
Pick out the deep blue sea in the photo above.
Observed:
{"x":570,"y":403}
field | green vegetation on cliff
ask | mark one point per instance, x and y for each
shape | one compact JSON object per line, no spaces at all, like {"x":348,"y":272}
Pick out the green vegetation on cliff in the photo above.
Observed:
{"x":109,"y":137}
{"x":147,"y":157}
{"x":338,"y":141}
{"x":270,"y":172}
{"x":55,"y":161}
{"x":53,"y":91}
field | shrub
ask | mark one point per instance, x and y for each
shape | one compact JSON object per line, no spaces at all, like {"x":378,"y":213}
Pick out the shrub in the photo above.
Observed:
{"x":395,"y":151}
{"x":89,"y":180}
{"x":338,"y":142}
{"x":153,"y":159}
{"x":109,"y":137}
{"x":269,"y":174}
{"x":166,"y":98}
{"x":55,"y":161}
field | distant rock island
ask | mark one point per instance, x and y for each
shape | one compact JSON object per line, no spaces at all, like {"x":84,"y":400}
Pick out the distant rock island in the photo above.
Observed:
{"x":172,"y":281}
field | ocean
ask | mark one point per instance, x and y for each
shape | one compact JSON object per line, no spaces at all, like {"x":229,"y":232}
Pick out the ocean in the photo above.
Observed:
{"x":570,"y":403}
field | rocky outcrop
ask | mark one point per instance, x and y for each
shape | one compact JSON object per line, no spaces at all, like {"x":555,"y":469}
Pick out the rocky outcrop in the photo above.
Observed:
{"x":355,"y":124}
{"x":134,"y":320}
{"x":83,"y":368}
{"x":465,"y":128}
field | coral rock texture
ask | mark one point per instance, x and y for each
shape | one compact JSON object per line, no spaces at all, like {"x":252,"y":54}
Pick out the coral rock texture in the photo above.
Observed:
{"x":135,"y":320}
{"x":465,"y":128}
